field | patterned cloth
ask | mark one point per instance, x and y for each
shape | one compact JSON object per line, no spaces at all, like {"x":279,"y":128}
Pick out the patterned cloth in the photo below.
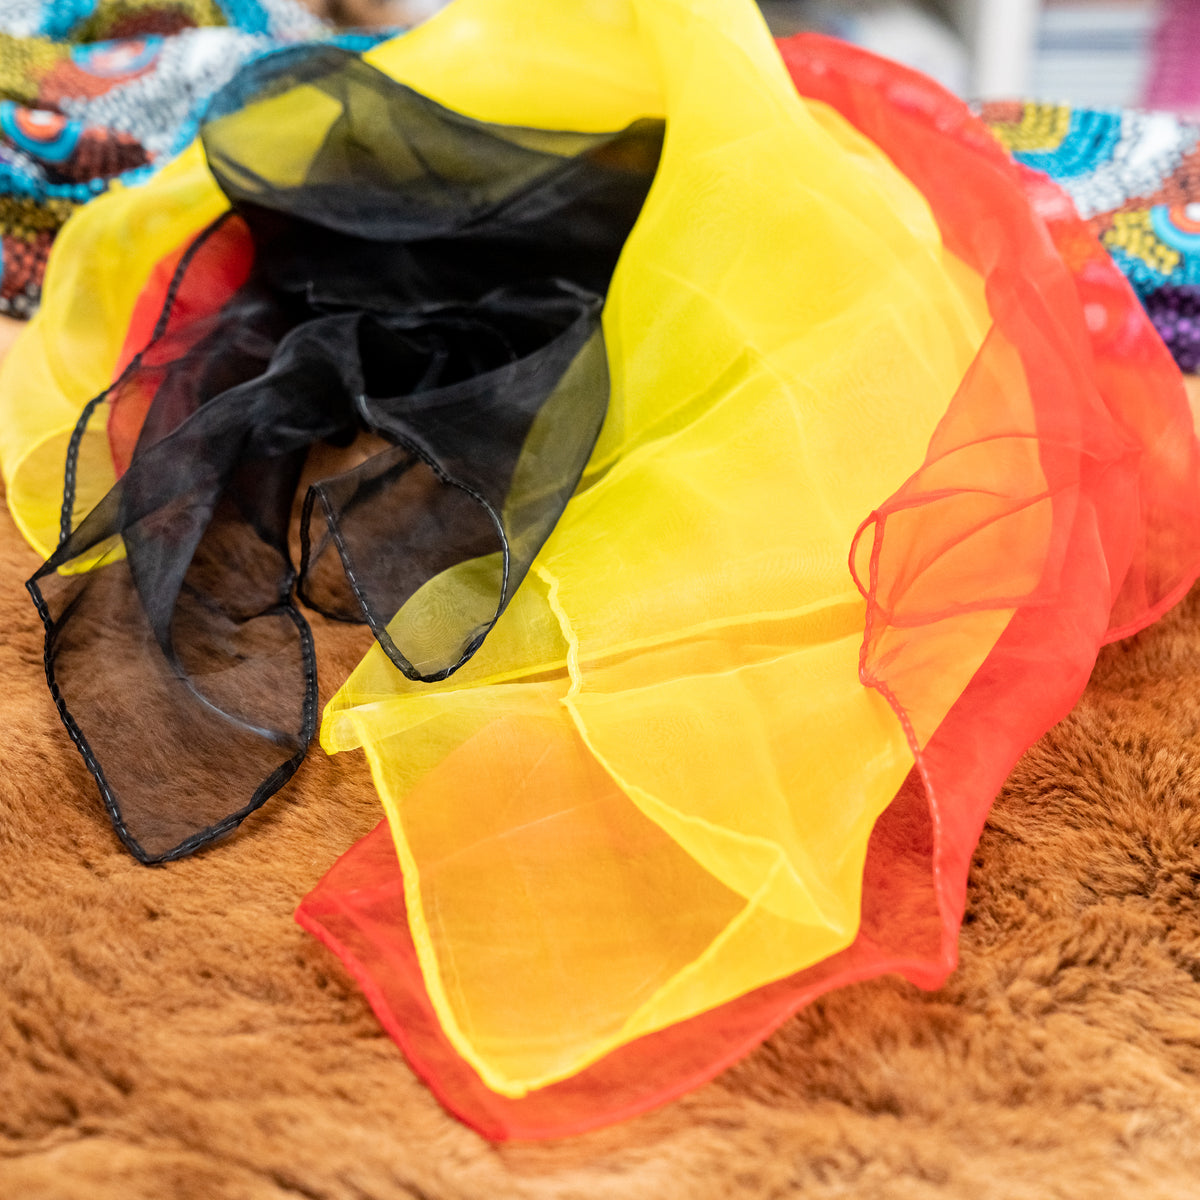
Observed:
{"x":1135,"y":178}
{"x":93,"y":91}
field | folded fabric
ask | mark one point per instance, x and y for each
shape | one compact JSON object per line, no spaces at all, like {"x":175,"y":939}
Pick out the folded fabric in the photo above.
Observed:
{"x":1103,"y":404}
{"x":96,"y":95}
{"x":891,"y":449}
{"x":695,"y":719}
{"x":404,"y":272}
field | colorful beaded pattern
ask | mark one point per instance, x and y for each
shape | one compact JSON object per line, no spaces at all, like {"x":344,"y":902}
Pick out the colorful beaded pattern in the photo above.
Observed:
{"x":1135,"y":178}
{"x":93,"y":91}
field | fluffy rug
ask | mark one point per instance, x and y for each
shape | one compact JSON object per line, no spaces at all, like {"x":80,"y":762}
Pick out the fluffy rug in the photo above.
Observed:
{"x":170,"y":1033}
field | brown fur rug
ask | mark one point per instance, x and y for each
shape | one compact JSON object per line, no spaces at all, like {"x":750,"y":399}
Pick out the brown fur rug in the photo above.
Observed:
{"x":170,"y":1033}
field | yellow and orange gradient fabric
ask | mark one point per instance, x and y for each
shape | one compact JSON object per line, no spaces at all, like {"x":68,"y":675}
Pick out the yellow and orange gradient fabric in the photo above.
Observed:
{"x":1054,"y":509}
{"x":891,"y":451}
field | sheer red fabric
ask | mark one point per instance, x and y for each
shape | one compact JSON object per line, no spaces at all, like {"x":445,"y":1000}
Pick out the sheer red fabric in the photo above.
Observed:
{"x":1096,"y":458}
{"x":358,"y":911}
{"x":218,"y":263}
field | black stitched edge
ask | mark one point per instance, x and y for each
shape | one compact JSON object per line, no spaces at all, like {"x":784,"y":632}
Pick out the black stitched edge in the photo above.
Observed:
{"x":316,"y":491}
{"x":262,"y":793}
{"x":160,"y":327}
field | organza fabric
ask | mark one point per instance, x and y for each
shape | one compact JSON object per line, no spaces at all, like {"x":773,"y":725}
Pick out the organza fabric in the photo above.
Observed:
{"x":656,"y":786}
{"x":398,"y":270}
{"x":624,"y":810}
{"x":1072,"y":421}
{"x":98,"y":96}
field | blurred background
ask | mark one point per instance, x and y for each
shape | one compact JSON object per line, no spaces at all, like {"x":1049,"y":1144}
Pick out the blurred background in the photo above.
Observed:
{"x":1098,"y":53}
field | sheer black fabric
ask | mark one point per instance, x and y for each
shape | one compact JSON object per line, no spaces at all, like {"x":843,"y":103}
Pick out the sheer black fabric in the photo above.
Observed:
{"x":428,"y":279}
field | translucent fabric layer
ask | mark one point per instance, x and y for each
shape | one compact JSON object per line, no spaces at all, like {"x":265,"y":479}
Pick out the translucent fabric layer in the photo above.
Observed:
{"x":68,"y":354}
{"x":653,"y":788}
{"x":1060,"y":490}
{"x":97,"y":96}
{"x":744,"y":880}
{"x":388,"y":267}
{"x":1020,"y":489}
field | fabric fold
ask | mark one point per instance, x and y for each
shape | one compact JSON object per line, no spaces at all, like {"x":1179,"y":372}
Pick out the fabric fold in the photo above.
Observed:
{"x":653,"y":788}
{"x":406,"y":273}
{"x":891,"y":449}
{"x":1054,"y":507}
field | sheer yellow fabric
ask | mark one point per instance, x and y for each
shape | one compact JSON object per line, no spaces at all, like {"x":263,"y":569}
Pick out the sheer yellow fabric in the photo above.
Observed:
{"x":652,"y":788}
{"x":67,"y":355}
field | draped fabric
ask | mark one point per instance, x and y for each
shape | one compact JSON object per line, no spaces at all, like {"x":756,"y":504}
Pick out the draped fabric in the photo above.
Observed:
{"x":1101,"y":404}
{"x":407,"y":273}
{"x":891,"y":450}
{"x":1131,"y":175}
{"x":625,"y":810}
{"x":96,"y":96}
